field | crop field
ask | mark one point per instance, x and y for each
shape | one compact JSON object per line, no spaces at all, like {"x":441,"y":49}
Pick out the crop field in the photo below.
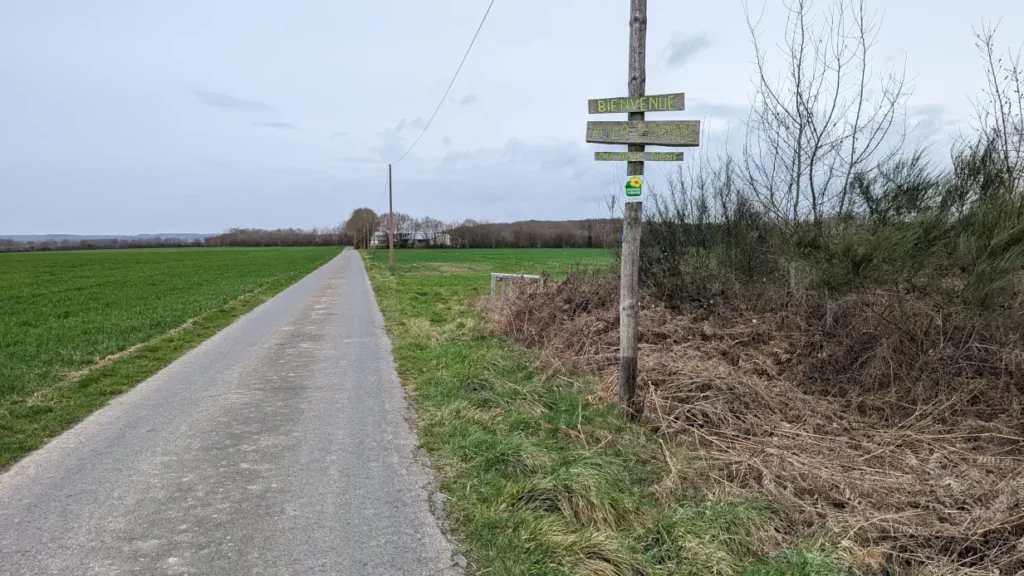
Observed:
{"x":77,"y":328}
{"x":554,"y":261}
{"x":542,"y":475}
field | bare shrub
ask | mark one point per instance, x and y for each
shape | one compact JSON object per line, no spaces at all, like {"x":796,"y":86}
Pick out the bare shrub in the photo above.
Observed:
{"x":705,"y":237}
{"x":1000,"y":112}
{"x":818,"y":201}
{"x":898,"y":423}
{"x":812,"y":129}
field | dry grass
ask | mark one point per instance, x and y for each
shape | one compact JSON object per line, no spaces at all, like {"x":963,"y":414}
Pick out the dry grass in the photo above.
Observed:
{"x":897,"y":422}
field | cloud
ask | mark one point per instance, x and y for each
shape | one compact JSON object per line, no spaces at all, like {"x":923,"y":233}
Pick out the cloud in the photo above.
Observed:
{"x":276,"y":125}
{"x":469,"y":99}
{"x":447,"y":141}
{"x":405,"y":124}
{"x":392,"y":139}
{"x":684,"y":47}
{"x":933,"y":126}
{"x":508,"y":181}
{"x":718,"y":110}
{"x":357,"y":160}
{"x":560,"y":160}
{"x":930,"y":119}
{"x":304,"y":171}
{"x":219,"y":100}
{"x":338,"y":134}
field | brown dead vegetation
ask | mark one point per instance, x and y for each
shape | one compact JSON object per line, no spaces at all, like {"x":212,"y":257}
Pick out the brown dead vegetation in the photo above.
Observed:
{"x":896,"y":421}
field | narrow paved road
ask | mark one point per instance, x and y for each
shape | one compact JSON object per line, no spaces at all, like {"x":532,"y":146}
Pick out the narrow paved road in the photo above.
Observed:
{"x":279,"y":446}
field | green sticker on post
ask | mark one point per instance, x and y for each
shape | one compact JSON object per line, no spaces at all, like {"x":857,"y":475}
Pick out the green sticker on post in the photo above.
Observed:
{"x":634,"y":188}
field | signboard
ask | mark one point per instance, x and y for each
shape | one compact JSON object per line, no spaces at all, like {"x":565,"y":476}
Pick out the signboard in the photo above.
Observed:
{"x":656,"y":133}
{"x":639,"y":156}
{"x":634,"y":188}
{"x":659,"y":103}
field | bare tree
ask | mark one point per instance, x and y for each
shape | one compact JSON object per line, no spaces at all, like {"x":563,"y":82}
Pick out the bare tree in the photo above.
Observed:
{"x":824,"y":119}
{"x":416,"y":229}
{"x":360,"y":226}
{"x":434,"y":229}
{"x":1000,"y":112}
{"x":403,"y":227}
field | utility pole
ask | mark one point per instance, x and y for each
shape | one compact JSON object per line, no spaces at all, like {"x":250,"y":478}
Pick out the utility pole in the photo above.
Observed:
{"x":632,"y":220}
{"x":391,"y":224}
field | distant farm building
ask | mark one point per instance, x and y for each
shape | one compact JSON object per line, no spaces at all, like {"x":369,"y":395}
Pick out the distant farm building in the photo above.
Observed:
{"x":413,"y":240}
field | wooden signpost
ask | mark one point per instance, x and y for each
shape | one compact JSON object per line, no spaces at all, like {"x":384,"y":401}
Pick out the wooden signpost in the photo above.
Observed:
{"x":661,"y":133}
{"x":660,"y":103}
{"x":636,"y":133}
{"x":639,"y":156}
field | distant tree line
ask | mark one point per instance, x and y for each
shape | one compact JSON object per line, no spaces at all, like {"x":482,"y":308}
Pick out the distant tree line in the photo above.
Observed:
{"x":7,"y":245}
{"x":280,"y":237}
{"x":364,"y":229}
{"x":596,"y":233}
{"x":593,"y":233}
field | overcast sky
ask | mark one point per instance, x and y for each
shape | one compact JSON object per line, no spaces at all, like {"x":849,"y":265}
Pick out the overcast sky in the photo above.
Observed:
{"x":129,"y":116}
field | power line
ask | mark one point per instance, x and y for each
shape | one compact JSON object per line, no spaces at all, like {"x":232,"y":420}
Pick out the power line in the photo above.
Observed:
{"x":480,"y":27}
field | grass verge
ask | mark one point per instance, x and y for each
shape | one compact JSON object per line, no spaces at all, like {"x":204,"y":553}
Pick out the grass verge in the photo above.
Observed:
{"x":541,"y":475}
{"x":65,"y":330}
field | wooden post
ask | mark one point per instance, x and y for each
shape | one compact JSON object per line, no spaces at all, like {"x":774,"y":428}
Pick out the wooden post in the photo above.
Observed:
{"x":391,"y":224}
{"x":632,"y":221}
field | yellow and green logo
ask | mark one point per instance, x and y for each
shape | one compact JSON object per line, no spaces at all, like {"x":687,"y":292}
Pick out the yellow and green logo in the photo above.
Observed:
{"x":634,"y":186}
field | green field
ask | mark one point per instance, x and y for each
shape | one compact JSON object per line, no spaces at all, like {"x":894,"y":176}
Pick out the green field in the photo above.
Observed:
{"x":62,"y":313}
{"x":541,"y":475}
{"x":513,"y":260}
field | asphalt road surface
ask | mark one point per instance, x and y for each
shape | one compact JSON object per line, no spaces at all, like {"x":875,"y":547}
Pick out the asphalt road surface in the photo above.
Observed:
{"x":279,"y":446}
